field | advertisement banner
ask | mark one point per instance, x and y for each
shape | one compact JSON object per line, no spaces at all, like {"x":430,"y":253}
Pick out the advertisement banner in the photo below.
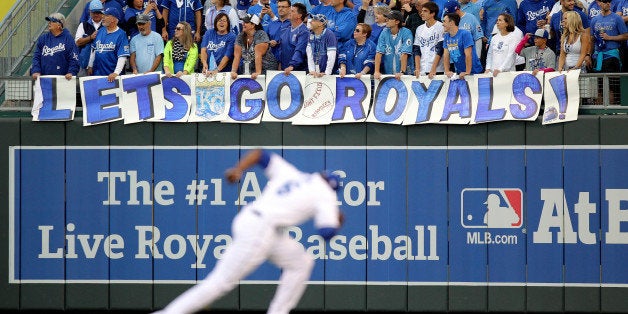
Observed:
{"x":414,"y":215}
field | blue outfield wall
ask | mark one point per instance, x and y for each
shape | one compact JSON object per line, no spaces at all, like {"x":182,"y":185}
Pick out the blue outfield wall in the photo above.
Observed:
{"x":498,"y":217}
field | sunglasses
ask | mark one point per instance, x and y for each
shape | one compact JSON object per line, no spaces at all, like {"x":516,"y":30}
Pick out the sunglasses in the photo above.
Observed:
{"x":179,"y":28}
{"x":357,"y":30}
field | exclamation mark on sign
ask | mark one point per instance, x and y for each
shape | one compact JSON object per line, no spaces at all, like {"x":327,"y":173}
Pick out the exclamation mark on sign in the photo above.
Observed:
{"x":559,"y":86}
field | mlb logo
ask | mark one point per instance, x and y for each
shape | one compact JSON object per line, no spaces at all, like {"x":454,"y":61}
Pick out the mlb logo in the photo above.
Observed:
{"x":491,"y":208}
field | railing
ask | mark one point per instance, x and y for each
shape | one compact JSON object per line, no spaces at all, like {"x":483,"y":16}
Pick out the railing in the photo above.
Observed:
{"x":20,"y":30}
{"x":598,"y":91}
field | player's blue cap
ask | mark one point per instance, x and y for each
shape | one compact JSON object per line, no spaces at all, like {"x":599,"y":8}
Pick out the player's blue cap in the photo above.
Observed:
{"x":332,"y":179}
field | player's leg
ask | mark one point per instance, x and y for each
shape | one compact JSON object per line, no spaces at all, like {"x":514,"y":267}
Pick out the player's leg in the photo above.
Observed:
{"x":251,"y":243}
{"x":296,"y":265}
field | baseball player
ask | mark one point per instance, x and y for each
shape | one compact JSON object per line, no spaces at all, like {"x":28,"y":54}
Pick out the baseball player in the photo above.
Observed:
{"x":290,"y":197}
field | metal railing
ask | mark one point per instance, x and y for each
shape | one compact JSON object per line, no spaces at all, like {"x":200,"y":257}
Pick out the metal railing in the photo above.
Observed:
{"x":21,"y":28}
{"x":598,"y":91}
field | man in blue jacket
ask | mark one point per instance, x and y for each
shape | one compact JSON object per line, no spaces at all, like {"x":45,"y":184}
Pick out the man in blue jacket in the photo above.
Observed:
{"x":294,"y":41}
{"x":55,"y":52}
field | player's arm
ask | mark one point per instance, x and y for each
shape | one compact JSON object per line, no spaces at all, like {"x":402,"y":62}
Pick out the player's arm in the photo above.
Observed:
{"x":249,"y":160}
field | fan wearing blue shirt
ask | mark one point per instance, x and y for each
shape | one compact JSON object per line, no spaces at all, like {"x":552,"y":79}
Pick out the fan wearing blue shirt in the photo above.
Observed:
{"x":294,"y":41}
{"x":55,"y":51}
{"x":394,"y":48}
{"x":458,"y":49}
{"x":110,"y":49}
{"x":175,"y":11}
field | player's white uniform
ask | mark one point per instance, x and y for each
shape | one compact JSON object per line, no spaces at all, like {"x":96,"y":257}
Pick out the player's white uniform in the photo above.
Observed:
{"x":290,"y":197}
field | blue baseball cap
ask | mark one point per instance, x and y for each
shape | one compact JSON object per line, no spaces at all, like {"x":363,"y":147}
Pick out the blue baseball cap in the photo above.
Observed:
{"x":96,"y":6}
{"x":112,"y":11}
{"x":451,"y":7}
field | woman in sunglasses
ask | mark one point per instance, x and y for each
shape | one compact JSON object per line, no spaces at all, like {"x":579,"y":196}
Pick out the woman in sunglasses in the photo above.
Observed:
{"x":358,"y":54}
{"x":180,"y":53}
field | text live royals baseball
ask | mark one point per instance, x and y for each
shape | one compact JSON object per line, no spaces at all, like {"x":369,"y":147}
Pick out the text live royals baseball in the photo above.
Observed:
{"x":151,"y":211}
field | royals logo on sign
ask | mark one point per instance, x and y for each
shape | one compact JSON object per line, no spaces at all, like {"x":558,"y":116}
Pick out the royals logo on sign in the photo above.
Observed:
{"x":491,"y":208}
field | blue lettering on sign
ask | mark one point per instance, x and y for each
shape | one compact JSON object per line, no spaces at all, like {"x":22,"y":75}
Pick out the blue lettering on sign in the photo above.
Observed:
{"x":101,"y":108}
{"x":528,"y":107}
{"x":174,"y":90}
{"x":48,"y":110}
{"x":141,"y":86}
{"x":485,"y":101}
{"x":458,"y":100}
{"x":345,"y":86}
{"x":426,"y":98}
{"x":273,"y":96}
{"x":255,"y":106}
{"x":386,"y":86}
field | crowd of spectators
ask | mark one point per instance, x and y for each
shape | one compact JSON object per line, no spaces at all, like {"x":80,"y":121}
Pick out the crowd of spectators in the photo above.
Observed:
{"x":344,"y":37}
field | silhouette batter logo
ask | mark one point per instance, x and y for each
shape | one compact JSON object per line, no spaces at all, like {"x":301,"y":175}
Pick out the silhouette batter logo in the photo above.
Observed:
{"x":491,"y":208}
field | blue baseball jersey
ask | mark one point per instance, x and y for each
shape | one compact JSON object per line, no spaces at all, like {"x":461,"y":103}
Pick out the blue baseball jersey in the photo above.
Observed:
{"x":611,"y":24}
{"x":456,"y":45}
{"x":392,"y":47}
{"x":472,"y":8}
{"x":356,"y":57}
{"x":177,"y":13}
{"x":108,"y":47}
{"x":319,"y":44}
{"x":218,"y":46}
{"x":55,"y":55}
{"x":470,"y":23}
{"x":293,"y":47}
{"x":530,"y":12}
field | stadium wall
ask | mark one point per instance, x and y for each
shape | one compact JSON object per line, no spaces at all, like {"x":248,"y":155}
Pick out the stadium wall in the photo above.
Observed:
{"x":536,"y":278}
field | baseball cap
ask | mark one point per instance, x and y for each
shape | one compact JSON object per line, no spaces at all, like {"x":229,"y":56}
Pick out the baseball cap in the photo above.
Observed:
{"x":541,"y":33}
{"x":142,"y":19}
{"x":394,"y":14}
{"x":320,"y":17}
{"x":112,"y":11}
{"x":56,"y":18}
{"x":251,"y":18}
{"x":96,"y":6}
{"x":332,"y":179}
{"x":451,"y":7}
{"x":605,"y":1}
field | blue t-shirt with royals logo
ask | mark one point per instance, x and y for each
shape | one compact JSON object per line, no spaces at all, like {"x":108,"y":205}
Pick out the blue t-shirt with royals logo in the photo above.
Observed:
{"x":456,"y":45}
{"x":55,"y":55}
{"x":530,"y":12}
{"x":108,"y":47}
{"x":218,"y":46}
{"x":611,"y":24}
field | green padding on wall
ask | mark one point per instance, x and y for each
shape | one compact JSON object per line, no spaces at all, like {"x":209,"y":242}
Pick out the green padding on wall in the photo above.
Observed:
{"x":385,"y":135}
{"x":387,"y":298}
{"x":506,"y":299}
{"x":472,"y":299}
{"x":427,"y":135}
{"x":545,"y":299}
{"x":77,"y":134}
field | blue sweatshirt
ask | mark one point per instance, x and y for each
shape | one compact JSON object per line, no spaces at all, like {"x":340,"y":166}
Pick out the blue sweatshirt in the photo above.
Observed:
{"x":341,"y":23}
{"x":55,"y":55}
